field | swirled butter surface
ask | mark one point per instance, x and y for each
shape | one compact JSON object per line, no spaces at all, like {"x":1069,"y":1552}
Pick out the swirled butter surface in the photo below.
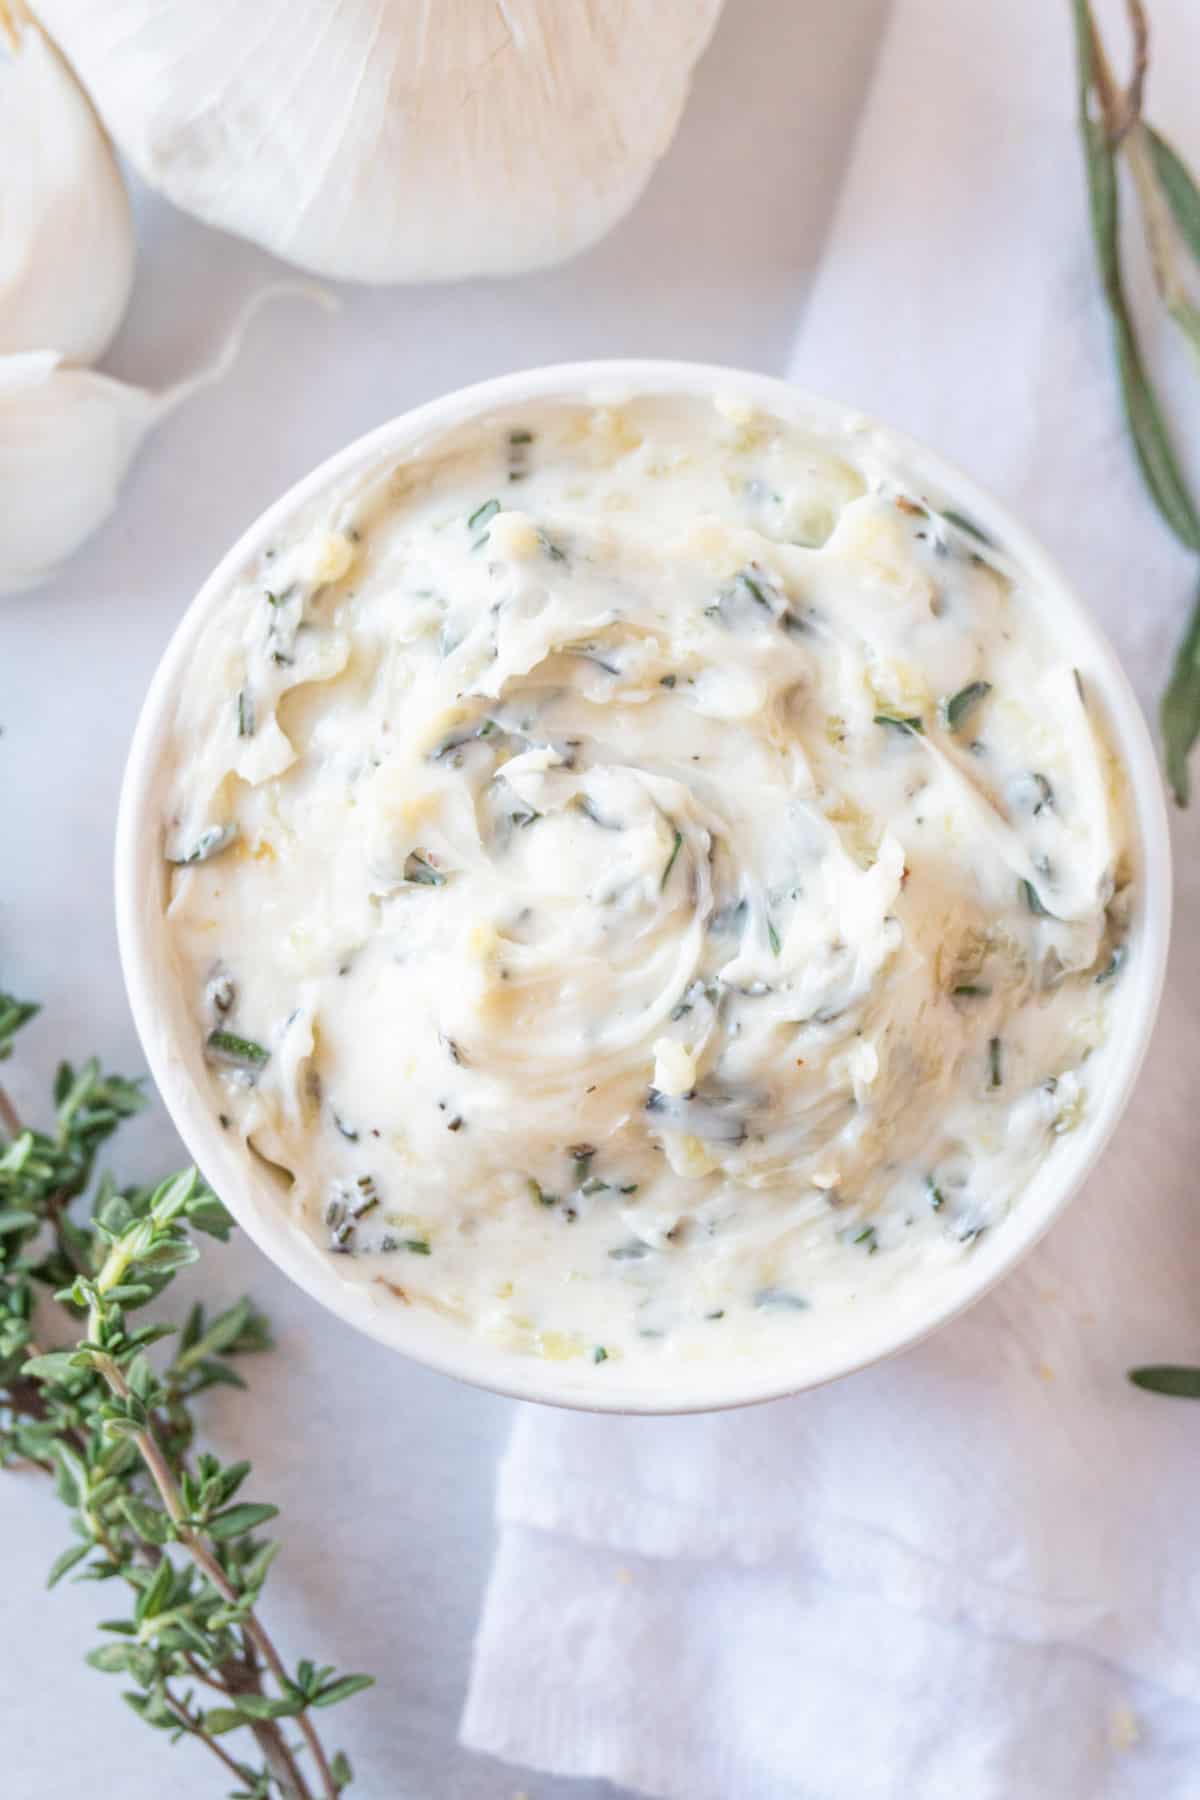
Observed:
{"x":644,"y":877}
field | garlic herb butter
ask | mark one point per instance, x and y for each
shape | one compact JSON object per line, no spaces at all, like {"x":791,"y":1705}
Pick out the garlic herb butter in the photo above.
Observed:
{"x":644,"y":879}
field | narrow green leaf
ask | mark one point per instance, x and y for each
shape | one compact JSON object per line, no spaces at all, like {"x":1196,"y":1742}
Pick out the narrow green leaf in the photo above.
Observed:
{"x":155,"y":1596}
{"x":264,"y":1706}
{"x":1179,"y":712}
{"x":1179,"y":188}
{"x":342,"y":1689}
{"x":150,"y":1522}
{"x":1166,"y":1378}
{"x":246,"y":1516}
{"x":56,"y":1365}
{"x":63,"y":1564}
{"x":13,"y":1014}
{"x":220,"y":1719}
{"x":110,"y":1659}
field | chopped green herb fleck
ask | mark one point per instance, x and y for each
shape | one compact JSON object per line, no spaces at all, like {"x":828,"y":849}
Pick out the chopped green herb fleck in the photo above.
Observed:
{"x":520,"y":437}
{"x":582,"y":803}
{"x":1045,"y":791}
{"x":995,"y":1063}
{"x":1113,"y":965}
{"x":936,"y":1197}
{"x":418,"y":1246}
{"x":483,"y":514}
{"x":772,"y":1299}
{"x":964,"y":702}
{"x":667,"y":681}
{"x":719,"y":1314}
{"x":753,"y":589}
{"x":773,"y":937}
{"x":226,"y":1046}
{"x":1033,"y":900}
{"x":869,"y":1238}
{"x":972,"y":990}
{"x":599,"y":1354}
{"x":676,"y":846}
{"x":539,"y":1196}
{"x":422,"y":873}
{"x":961,"y":523}
{"x":347,"y":1131}
{"x":899,"y":724}
{"x":245,"y":713}
{"x":211,"y":842}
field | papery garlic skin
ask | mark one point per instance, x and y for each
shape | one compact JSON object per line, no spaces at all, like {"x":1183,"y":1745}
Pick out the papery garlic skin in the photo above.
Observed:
{"x":389,"y":140}
{"x":66,"y":234}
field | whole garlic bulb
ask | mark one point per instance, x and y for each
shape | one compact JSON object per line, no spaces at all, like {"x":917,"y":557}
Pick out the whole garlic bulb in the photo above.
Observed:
{"x":393,"y":140}
{"x":66,"y":236}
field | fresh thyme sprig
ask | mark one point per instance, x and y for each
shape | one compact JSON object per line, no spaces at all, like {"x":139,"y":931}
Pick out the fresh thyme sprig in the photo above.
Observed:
{"x":116,"y":1435}
{"x":1112,"y":126}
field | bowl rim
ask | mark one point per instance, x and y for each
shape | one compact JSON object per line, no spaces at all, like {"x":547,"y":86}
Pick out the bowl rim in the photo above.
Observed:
{"x":450,"y":1348}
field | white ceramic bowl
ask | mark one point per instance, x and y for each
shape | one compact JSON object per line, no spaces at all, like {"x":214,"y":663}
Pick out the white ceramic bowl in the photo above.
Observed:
{"x":175,"y":1057}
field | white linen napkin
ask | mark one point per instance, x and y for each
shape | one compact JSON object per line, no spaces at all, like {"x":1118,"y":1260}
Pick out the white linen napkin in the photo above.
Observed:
{"x":973,"y":1571}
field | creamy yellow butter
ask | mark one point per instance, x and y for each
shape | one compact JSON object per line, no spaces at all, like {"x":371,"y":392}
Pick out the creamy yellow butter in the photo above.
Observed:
{"x":646,"y":880}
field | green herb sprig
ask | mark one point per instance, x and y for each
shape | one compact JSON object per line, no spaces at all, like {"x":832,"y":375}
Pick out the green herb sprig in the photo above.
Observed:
{"x":81,"y":1399}
{"x":1112,"y":126}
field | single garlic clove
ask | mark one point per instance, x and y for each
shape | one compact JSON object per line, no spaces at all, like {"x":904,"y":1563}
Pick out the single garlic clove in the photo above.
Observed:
{"x":393,"y":140}
{"x":67,"y":437}
{"x":66,"y":235}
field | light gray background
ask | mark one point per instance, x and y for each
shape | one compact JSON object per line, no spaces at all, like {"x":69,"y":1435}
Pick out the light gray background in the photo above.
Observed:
{"x":384,"y":1471}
